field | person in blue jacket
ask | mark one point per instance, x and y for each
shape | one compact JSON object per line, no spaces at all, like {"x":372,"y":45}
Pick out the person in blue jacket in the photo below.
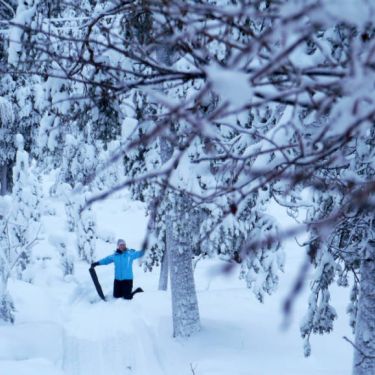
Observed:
{"x":123,"y":259}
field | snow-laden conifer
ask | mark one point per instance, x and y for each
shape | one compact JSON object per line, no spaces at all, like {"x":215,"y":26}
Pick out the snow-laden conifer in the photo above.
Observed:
{"x":19,"y":115}
{"x":108,"y":173}
{"x":86,"y":235}
{"x":339,"y":175}
{"x":67,"y":173}
{"x":7,"y":308}
{"x":66,"y":256}
{"x":81,"y":222}
{"x":24,"y":219}
{"x":71,"y":211}
{"x":19,"y":227}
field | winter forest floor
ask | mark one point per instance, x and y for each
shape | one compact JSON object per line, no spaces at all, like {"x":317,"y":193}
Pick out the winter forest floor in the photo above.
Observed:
{"x":62,"y":327}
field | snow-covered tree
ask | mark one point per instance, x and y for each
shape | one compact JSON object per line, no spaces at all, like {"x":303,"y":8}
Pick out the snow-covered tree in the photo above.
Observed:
{"x":86,"y":236}
{"x":333,"y":178}
{"x":341,"y":250}
{"x":258,"y":100}
{"x":19,"y":227}
{"x":71,"y":211}
{"x":82,"y":223}
{"x":25,"y":214}
{"x":7,"y":307}
{"x":197,"y":75}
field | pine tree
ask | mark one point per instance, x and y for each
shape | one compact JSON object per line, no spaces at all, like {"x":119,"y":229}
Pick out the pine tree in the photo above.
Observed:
{"x":7,"y":307}
{"x":19,"y":227}
{"x":70,"y":206}
{"x":86,"y":235}
{"x":192,"y":148}
{"x":337,"y":174}
{"x":25,"y":215}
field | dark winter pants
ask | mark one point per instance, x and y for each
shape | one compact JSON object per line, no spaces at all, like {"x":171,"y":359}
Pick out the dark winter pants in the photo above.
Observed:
{"x":123,"y":289}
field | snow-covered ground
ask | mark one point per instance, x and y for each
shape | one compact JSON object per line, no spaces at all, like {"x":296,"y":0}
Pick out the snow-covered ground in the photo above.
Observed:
{"x":62,"y":327}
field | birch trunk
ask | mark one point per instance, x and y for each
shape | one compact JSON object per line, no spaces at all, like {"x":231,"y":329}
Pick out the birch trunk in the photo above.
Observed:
{"x":364,"y":352}
{"x":185,"y":310}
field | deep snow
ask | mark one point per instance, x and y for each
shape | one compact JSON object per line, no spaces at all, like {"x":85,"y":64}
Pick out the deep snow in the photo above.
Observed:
{"x":62,"y":327}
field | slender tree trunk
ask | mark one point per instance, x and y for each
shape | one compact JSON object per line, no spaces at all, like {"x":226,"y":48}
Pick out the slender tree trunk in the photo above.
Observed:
{"x":3,"y":179}
{"x":166,"y":151}
{"x":163,"y":277}
{"x":185,"y":310}
{"x":364,"y":352}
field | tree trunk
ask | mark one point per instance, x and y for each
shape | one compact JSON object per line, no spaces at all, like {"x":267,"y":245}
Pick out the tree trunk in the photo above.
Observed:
{"x":166,"y":151}
{"x":178,"y":253}
{"x":3,"y":179}
{"x":364,"y":352}
{"x":184,"y":299}
{"x":163,"y":277}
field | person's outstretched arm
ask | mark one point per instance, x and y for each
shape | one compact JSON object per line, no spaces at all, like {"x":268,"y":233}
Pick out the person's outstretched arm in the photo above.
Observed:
{"x":107,"y":260}
{"x":137,"y":254}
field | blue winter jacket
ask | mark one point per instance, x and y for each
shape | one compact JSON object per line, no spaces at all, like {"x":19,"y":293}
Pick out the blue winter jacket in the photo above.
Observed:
{"x":123,"y":263}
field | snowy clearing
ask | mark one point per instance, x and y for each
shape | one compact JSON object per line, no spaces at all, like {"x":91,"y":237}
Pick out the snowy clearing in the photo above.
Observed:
{"x":62,"y":326}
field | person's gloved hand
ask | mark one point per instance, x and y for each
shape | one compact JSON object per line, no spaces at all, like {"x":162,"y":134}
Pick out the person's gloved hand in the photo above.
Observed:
{"x":94,"y":264}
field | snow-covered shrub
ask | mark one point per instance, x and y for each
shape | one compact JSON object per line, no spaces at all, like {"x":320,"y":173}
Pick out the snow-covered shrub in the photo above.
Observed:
{"x":70,"y":204}
{"x":45,"y":267}
{"x":66,"y":256}
{"x":7,"y":308}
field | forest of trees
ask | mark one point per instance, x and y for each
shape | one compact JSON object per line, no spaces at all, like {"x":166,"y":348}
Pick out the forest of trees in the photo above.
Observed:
{"x":207,"y":111}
